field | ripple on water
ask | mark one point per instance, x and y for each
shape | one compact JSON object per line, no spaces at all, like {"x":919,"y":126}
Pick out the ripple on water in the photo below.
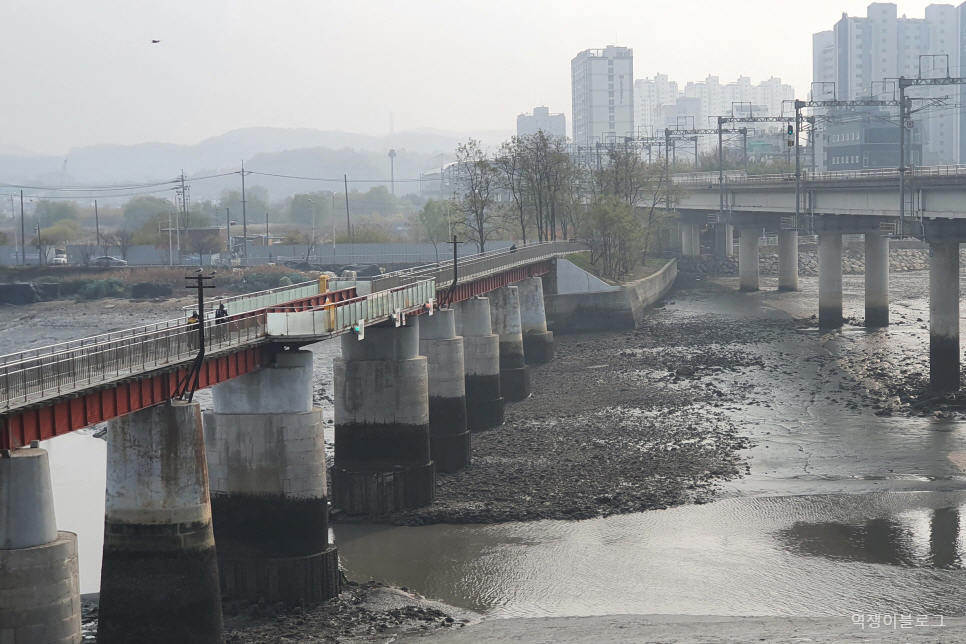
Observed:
{"x":806,"y":555}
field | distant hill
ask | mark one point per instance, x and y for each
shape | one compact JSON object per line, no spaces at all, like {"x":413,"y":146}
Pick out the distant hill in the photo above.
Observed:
{"x":294,"y":151}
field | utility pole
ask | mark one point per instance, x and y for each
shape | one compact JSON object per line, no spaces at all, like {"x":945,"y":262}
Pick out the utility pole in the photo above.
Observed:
{"x":333,"y":215}
{"x":721,"y":199}
{"x":244,"y":213}
{"x":23,"y":234}
{"x":348,"y":224}
{"x":392,"y":170}
{"x":228,"y":229}
{"x":170,"y":253}
{"x":798,"y":161}
{"x":97,"y":224}
{"x":744,"y":147}
{"x":40,"y":255}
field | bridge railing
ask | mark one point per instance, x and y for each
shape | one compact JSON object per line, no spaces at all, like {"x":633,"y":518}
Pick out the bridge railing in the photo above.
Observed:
{"x":337,"y":318}
{"x":80,"y":367}
{"x":710,"y":179}
{"x":478,"y":266}
{"x":260,"y":299}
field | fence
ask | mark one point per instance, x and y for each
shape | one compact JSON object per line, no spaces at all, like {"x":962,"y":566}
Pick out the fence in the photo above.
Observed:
{"x":336,"y":318}
{"x":69,"y":367}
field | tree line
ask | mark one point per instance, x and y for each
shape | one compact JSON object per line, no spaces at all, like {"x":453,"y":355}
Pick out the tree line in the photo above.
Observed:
{"x":532,"y":190}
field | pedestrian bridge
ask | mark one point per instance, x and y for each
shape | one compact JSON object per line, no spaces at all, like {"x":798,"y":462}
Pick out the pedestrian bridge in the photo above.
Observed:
{"x":48,"y":391}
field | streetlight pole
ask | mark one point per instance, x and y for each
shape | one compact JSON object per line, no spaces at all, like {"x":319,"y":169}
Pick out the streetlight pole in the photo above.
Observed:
{"x":312,"y":244}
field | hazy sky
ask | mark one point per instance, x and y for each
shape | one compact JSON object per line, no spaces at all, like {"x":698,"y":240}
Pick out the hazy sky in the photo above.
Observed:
{"x":80,"y":72}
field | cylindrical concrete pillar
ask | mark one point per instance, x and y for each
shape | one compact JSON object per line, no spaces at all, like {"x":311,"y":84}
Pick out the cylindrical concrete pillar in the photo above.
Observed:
{"x":537,"y":341}
{"x":39,"y":583}
{"x":695,"y":240}
{"x":724,"y":240}
{"x":944,"y":316}
{"x":830,"y":280}
{"x":748,"y":259}
{"x":687,"y":232}
{"x":876,"y":280}
{"x":382,"y":448}
{"x":449,"y":440}
{"x":787,"y":260}
{"x":159,"y":573}
{"x":481,"y":362}
{"x":269,"y":503}
{"x":505,"y":318}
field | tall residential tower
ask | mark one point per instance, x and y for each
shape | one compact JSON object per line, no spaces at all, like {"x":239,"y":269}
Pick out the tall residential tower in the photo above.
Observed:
{"x":602,"y":84}
{"x":857,"y":57}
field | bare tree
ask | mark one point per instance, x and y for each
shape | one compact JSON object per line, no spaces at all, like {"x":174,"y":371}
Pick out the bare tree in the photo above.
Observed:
{"x":478,"y":181}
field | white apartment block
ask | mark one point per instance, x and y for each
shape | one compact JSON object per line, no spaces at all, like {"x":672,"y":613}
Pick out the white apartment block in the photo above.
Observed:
{"x":542,"y":120}
{"x":602,"y":84}
{"x":860,"y":54}
{"x":659,"y":103}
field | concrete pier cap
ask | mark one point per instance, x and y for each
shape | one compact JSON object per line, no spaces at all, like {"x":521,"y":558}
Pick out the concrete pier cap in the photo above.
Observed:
{"x":505,"y":318}
{"x":269,"y":499}
{"x":39,"y":580}
{"x":481,"y":364}
{"x":443,"y":349}
{"x":383,"y":461}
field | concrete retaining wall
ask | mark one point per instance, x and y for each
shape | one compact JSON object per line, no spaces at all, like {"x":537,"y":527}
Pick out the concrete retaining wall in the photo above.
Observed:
{"x":608,"y":310}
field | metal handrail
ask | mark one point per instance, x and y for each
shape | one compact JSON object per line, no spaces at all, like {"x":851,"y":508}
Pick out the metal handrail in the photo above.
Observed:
{"x":711,"y":179}
{"x":477,"y":266}
{"x":66,"y":367}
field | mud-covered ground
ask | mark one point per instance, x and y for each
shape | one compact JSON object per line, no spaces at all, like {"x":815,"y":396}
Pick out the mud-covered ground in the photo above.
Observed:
{"x":617,"y":423}
{"x":367,"y":612}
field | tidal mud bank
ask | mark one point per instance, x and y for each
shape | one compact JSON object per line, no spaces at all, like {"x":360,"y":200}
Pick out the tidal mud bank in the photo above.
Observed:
{"x":617,"y":423}
{"x":363,"y":613}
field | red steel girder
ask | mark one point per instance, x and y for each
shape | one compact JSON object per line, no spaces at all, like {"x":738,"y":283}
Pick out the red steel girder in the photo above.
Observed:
{"x":55,"y":417}
{"x":489,"y":283}
{"x":313,"y":301}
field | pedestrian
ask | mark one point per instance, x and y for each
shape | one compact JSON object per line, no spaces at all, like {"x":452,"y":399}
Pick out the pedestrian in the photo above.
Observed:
{"x":194,"y":322}
{"x":221,"y":315}
{"x":513,"y":248}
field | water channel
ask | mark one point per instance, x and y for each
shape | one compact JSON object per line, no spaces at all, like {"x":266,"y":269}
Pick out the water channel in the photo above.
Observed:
{"x":843,"y":511}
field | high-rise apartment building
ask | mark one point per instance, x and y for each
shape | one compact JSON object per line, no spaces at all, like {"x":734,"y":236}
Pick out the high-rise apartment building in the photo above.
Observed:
{"x":857,"y":57}
{"x":659,"y":103}
{"x":602,"y":85}
{"x":542,"y":120}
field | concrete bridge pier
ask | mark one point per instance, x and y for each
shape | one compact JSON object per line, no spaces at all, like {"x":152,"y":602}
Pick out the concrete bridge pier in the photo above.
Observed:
{"x":876,"y":280}
{"x":944,"y":316}
{"x":269,"y":502}
{"x":449,"y":439}
{"x":748,"y":257}
{"x":537,"y":340}
{"x":690,"y":239}
{"x":830,"y":280}
{"x":481,"y":361}
{"x":39,"y":583}
{"x":159,"y":574}
{"x":724,"y":240}
{"x":505,"y":317}
{"x":787,"y":259}
{"x":383,"y":461}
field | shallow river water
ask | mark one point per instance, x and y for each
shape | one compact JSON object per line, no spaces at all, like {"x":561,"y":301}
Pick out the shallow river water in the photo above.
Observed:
{"x":843,"y":511}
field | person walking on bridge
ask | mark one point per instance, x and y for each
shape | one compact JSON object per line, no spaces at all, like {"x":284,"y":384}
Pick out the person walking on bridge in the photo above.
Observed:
{"x":221,"y":316}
